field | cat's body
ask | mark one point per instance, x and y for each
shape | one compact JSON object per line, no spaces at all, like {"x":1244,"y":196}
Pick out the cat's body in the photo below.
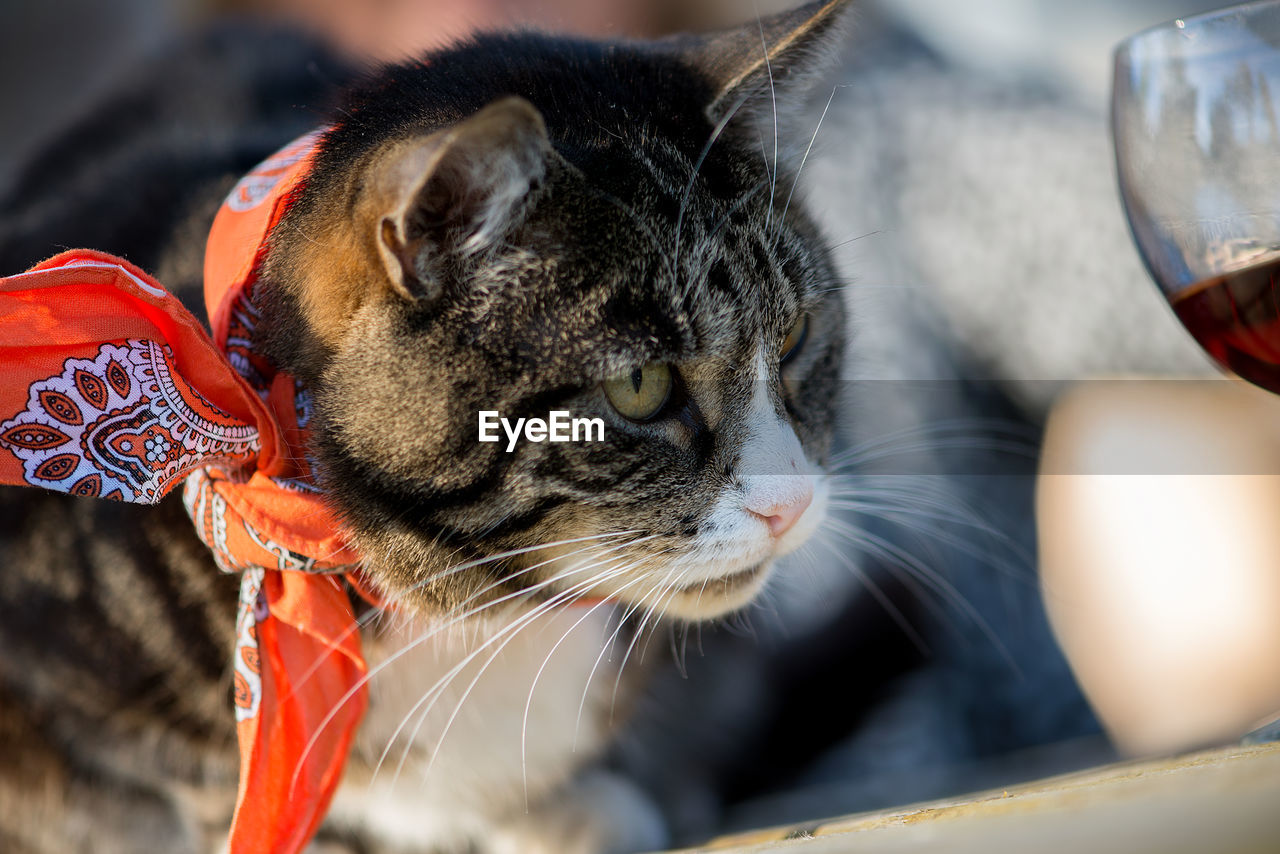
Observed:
{"x":495,"y":221}
{"x":115,"y":735}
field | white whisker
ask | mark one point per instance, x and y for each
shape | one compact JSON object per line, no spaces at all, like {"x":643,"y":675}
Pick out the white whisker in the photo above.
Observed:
{"x":649,"y":613}
{"x":796,"y":181}
{"x":933,"y":579}
{"x":524,"y":723}
{"x":693,"y":177}
{"x":511,"y":631}
{"x":773,"y":94}
{"x":434,"y":630}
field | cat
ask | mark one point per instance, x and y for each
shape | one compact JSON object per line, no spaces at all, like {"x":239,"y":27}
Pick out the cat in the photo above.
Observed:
{"x":518,"y":223}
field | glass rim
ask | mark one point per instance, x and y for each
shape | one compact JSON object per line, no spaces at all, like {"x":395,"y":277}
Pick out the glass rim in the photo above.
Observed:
{"x":1190,"y":22}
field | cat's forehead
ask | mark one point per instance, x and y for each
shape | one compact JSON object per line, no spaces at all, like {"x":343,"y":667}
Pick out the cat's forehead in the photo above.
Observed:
{"x":660,"y":267}
{"x":708,"y":220}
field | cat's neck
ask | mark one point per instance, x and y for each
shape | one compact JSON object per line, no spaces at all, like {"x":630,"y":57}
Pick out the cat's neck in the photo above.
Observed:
{"x":480,"y":712}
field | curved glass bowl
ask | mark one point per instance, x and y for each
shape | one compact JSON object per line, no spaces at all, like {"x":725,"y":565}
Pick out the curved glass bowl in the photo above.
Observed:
{"x":1196,"y":118}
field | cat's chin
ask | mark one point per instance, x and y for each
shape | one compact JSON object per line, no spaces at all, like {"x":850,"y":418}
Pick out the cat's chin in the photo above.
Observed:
{"x":706,"y":600}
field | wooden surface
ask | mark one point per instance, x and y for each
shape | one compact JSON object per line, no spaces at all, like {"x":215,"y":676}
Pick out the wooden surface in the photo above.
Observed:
{"x":1217,"y":802}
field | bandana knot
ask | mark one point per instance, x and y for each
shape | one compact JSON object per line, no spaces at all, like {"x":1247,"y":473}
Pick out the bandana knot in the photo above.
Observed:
{"x":113,"y":389}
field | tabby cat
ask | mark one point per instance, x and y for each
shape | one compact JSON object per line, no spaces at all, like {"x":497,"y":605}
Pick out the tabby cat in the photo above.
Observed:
{"x":520,"y":224}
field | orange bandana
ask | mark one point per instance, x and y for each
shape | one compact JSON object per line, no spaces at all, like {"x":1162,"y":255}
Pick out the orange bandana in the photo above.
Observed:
{"x":113,"y":389}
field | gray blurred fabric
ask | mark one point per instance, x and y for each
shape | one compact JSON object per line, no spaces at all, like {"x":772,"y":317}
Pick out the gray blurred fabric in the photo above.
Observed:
{"x":981,"y":209}
{"x":1037,"y":41}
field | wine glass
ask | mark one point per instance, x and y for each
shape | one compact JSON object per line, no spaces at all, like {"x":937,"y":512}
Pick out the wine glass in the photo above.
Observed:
{"x":1196,"y":117}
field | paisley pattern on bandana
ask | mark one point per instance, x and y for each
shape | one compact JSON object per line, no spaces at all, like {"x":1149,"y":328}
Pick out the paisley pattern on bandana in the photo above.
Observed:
{"x":123,"y":426}
{"x":248,"y":660}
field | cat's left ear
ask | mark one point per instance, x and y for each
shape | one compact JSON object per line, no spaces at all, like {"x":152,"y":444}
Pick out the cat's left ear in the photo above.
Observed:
{"x":767,"y":63}
{"x":456,"y":193}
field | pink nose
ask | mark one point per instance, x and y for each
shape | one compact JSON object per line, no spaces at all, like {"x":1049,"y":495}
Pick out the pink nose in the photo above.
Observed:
{"x":783,"y":517}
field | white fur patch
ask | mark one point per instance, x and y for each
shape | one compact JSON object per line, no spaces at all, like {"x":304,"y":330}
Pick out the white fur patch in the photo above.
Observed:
{"x":460,"y":766}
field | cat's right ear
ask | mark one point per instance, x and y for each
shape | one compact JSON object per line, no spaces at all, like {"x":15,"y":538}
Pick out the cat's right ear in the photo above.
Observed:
{"x":456,"y":192}
{"x":767,"y":64}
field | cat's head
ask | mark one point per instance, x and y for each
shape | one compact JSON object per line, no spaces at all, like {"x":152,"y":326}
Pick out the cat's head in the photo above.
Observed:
{"x":528,"y":225}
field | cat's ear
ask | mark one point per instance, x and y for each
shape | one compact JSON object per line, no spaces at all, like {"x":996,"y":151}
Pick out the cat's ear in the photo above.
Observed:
{"x":768,"y":62}
{"x":455,"y":192}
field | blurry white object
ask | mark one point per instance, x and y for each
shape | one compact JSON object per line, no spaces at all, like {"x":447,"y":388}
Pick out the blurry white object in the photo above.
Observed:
{"x":1160,"y":556}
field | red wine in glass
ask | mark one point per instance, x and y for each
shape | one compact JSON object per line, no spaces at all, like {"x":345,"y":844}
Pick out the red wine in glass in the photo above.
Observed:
{"x":1236,"y":319}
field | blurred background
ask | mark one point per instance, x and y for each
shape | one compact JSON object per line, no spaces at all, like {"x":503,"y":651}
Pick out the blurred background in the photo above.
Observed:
{"x":965,"y":174}
{"x":58,"y":55}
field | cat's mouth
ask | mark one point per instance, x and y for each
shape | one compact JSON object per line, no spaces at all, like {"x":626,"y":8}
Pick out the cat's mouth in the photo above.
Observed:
{"x":710,"y":597}
{"x":718,"y":596}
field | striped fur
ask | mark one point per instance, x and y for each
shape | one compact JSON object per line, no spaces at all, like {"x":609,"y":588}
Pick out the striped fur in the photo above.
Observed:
{"x":631,"y":223}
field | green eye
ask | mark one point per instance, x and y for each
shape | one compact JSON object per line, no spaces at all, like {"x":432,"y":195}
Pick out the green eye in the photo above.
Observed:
{"x":795,"y":337}
{"x":641,"y":394}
